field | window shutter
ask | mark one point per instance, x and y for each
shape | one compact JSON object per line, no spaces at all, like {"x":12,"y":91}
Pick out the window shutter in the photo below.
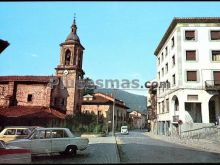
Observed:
{"x":190,"y":34}
{"x":215,"y":35}
{"x":216,"y":77}
{"x":191,"y":55}
{"x":191,"y":76}
{"x":215,"y":55}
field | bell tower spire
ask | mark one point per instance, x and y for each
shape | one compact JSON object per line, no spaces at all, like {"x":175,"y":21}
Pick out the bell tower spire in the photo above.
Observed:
{"x":70,"y":68}
{"x":74,"y":27}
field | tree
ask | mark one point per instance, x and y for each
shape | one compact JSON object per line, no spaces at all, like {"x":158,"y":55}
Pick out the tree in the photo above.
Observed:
{"x":89,"y":86}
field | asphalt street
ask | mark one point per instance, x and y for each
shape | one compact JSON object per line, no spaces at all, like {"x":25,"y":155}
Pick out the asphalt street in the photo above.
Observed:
{"x":101,"y":150}
{"x":137,"y":147}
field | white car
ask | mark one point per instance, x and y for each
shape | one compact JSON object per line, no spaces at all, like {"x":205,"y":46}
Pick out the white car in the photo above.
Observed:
{"x":124,"y":130}
{"x":14,"y":132}
{"x":52,"y":140}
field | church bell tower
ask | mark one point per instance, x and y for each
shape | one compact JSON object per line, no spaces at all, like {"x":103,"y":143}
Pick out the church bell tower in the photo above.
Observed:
{"x":70,"y":70}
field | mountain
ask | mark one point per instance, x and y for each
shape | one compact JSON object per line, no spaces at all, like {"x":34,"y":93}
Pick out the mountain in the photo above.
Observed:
{"x":133,"y":101}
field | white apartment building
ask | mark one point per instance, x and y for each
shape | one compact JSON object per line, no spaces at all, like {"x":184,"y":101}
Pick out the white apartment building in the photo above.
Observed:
{"x":188,"y":57}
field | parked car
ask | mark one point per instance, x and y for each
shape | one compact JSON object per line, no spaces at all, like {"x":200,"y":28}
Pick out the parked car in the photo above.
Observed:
{"x":14,"y":155}
{"x":52,"y":140}
{"x":124,"y":130}
{"x":14,"y":132}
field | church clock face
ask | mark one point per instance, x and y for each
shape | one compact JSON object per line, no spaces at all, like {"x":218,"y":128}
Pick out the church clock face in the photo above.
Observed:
{"x":65,"y":72}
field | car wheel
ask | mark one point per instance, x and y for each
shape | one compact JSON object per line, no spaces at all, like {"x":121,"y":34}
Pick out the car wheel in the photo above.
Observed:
{"x":70,"y":151}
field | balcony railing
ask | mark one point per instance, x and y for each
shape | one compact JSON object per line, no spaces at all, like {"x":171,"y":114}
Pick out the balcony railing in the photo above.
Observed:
{"x":212,"y":84}
{"x":175,"y":118}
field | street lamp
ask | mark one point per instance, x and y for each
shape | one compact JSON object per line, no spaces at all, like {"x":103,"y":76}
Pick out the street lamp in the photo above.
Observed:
{"x":113,"y":113}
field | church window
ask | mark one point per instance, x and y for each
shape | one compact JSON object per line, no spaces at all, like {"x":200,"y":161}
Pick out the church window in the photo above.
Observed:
{"x":67,"y":57}
{"x":30,"y":97}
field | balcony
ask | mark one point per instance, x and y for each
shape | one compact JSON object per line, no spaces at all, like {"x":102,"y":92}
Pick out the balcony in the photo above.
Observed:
{"x":175,"y":118}
{"x":212,"y":84}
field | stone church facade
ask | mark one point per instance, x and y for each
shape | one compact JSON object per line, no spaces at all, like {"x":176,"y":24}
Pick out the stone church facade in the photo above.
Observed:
{"x":45,"y":100}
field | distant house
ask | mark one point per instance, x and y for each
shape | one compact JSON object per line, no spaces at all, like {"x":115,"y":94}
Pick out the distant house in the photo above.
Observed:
{"x":3,"y":45}
{"x":137,"y":120}
{"x":102,"y":105}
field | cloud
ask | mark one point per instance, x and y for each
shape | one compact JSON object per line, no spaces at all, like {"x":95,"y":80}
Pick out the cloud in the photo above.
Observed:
{"x":34,"y":55}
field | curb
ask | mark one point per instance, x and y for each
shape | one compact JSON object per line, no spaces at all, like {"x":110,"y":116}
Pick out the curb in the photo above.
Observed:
{"x":92,"y":135}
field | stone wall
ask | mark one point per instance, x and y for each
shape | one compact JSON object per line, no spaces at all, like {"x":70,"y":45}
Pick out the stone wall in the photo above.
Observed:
{"x":3,"y":94}
{"x":40,"y":95}
{"x":94,"y":108}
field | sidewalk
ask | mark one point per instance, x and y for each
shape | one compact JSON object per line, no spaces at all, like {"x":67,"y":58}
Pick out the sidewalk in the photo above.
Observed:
{"x":201,"y":144}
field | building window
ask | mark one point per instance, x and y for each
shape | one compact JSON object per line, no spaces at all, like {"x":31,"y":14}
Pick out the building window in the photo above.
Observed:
{"x":162,"y":106}
{"x":215,"y":35}
{"x":162,"y":72}
{"x":67,"y":57}
{"x":190,"y":55}
{"x":159,"y":108}
{"x":174,"y":79}
{"x":173,"y":60}
{"x":191,"y":75}
{"x":166,"y":51}
{"x":190,"y":35}
{"x":158,"y":60}
{"x":216,"y":55}
{"x":167,"y":105}
{"x":173,"y":42}
{"x":162,"y":57}
{"x":166,"y":67}
{"x":216,"y":75}
{"x":30,"y":97}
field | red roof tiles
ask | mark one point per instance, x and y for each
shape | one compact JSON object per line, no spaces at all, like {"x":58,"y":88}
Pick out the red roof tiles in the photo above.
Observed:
{"x":44,"y":79}
{"x":30,"y":112}
{"x":100,"y":98}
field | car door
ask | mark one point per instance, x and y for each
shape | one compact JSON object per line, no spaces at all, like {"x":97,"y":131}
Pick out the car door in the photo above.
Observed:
{"x":9,"y":135}
{"x":41,"y":142}
{"x":22,"y":133}
{"x":60,"y":140}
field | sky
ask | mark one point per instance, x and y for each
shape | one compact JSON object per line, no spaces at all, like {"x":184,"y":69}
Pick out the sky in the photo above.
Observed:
{"x":119,"y":37}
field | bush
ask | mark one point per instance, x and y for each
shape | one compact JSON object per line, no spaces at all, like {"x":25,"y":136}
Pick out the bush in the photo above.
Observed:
{"x":97,"y":129}
{"x":82,"y":123}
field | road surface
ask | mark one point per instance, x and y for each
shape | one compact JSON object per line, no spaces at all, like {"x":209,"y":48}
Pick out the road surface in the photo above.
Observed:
{"x":137,"y":147}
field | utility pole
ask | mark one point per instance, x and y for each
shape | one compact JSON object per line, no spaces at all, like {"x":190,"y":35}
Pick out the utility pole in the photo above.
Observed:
{"x":113,"y":113}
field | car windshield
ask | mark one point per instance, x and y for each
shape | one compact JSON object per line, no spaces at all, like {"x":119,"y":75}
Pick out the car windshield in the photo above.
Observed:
{"x":124,"y":127}
{"x":29,"y":136}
